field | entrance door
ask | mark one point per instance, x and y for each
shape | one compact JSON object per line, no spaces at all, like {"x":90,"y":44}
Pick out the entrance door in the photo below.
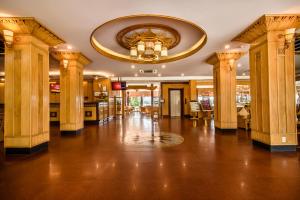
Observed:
{"x":175,"y":103}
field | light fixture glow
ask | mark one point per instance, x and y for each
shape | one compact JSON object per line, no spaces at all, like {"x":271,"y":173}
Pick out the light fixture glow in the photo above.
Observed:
{"x":182,"y":74}
{"x":239,"y":65}
{"x":65,"y":63}
{"x":132,"y":66}
{"x":8,"y":37}
{"x":159,"y":75}
{"x":135,"y":74}
{"x":227,"y":46}
{"x":163,"y":66}
{"x":69,"y":47}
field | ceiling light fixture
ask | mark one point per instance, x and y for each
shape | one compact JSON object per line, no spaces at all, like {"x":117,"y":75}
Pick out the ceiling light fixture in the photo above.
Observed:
{"x":149,"y":46}
{"x":69,"y":47}
{"x":132,"y":66}
{"x":135,"y":74}
{"x":8,"y":37}
{"x":65,"y":63}
{"x":227,"y":46}
{"x":159,"y":75}
{"x":182,"y":74}
{"x":163,"y":66}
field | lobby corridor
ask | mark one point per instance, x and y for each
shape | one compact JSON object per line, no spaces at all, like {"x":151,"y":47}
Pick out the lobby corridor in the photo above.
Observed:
{"x":101,"y":164}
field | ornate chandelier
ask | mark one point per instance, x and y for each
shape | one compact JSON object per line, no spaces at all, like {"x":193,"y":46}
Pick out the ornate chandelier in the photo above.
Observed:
{"x":148,"y":46}
{"x":148,"y":42}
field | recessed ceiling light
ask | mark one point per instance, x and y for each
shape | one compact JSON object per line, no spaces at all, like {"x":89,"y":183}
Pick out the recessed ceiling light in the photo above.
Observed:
{"x":158,"y":74}
{"x":69,"y":47}
{"x":132,"y":66}
{"x":135,"y":74}
{"x":182,"y":74}
{"x":163,"y":66}
{"x":244,"y":74}
{"x":227,"y":46}
{"x":239,"y":65}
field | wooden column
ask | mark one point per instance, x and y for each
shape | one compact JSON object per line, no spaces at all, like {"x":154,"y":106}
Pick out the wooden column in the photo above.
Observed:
{"x":71,"y":91}
{"x":272,"y":73}
{"x":224,"y":75}
{"x":193,"y":90}
{"x":27,"y":85}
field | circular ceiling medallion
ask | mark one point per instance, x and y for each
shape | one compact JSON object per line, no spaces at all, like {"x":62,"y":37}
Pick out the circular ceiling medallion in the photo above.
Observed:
{"x":114,"y":38}
{"x":130,"y":36}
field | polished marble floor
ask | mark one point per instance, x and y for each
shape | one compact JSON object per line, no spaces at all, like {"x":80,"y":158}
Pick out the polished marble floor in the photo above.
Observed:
{"x":100,"y":164}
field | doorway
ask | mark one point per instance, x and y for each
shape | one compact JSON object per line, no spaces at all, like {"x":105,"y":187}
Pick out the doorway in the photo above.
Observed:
{"x":175,"y":104}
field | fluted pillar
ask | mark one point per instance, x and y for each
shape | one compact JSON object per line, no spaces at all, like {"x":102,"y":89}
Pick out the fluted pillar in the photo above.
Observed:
{"x":27,"y":85}
{"x":272,"y":73}
{"x":224,"y":76}
{"x":71,"y":91}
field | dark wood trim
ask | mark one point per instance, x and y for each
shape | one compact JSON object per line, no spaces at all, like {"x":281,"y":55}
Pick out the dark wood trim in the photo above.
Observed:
{"x":181,"y":100}
{"x":73,"y":132}
{"x":27,"y":150}
{"x":275,"y":148}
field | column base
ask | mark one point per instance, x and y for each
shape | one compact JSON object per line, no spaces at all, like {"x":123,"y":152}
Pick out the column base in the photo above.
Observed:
{"x":26,"y":150}
{"x":226,"y":130}
{"x":275,"y":148}
{"x":73,"y":132}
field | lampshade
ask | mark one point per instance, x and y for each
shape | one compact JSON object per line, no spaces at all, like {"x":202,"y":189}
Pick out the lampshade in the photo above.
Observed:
{"x":157,"y":46}
{"x":164,"y":52}
{"x":133,"y":52}
{"x":141,"y":46}
{"x":243,"y":112}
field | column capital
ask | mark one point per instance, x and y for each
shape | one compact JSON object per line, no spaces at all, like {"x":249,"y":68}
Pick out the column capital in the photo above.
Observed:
{"x":268,"y":23}
{"x":61,"y":55}
{"x":224,"y":56}
{"x":28,"y":25}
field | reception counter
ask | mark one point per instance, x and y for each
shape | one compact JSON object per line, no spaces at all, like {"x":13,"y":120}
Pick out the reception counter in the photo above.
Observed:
{"x":94,"y":112}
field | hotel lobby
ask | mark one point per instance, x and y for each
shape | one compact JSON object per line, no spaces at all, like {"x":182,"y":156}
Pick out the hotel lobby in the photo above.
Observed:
{"x":145,"y":100}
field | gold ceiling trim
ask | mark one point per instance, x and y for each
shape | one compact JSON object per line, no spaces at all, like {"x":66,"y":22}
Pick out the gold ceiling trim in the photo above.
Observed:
{"x":127,"y":43}
{"x":268,"y":23}
{"x":29,"y":25}
{"x":61,"y":55}
{"x":223,"y":56}
{"x":126,"y":58}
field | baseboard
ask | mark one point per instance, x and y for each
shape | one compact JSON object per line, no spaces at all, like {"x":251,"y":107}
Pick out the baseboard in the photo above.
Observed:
{"x":73,"y":132}
{"x":226,"y":130}
{"x":27,"y":150}
{"x":275,"y":148}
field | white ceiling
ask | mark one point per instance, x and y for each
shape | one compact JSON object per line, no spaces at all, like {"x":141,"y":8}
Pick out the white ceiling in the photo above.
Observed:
{"x":74,"y":21}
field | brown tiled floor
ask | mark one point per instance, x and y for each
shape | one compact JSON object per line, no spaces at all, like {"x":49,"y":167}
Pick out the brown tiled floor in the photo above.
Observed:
{"x":98,"y":165}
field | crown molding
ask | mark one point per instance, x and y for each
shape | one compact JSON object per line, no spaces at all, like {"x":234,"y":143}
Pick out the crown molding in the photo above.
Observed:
{"x":28,"y":25}
{"x":61,"y":55}
{"x":268,"y":23}
{"x":224,"y":56}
